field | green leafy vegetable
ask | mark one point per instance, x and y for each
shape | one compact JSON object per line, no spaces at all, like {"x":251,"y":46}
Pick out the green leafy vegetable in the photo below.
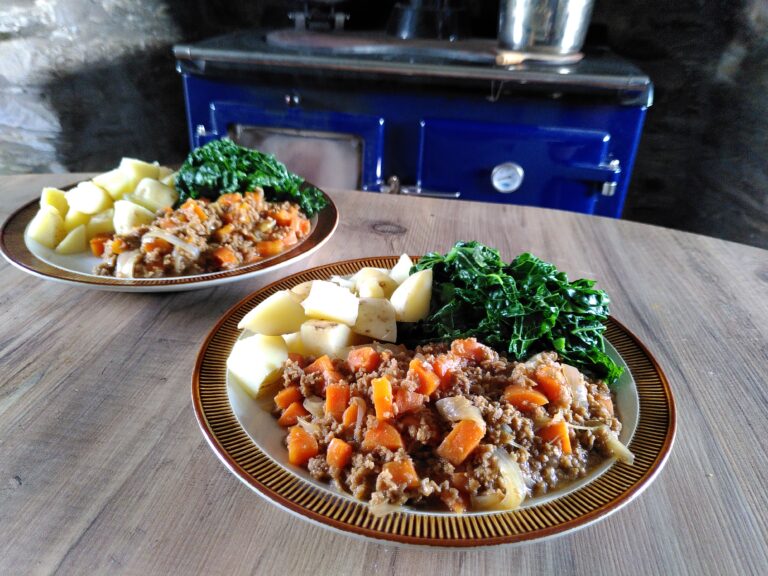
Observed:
{"x":522,"y":307}
{"x":221,"y":167}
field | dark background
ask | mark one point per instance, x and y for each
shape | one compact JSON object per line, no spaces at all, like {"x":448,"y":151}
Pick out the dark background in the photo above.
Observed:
{"x":85,"y":82}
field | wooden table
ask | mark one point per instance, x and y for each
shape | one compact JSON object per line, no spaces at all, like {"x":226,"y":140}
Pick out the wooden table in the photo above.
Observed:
{"x":103,"y":468}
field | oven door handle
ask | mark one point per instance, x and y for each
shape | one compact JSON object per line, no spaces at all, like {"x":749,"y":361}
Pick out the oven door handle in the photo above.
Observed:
{"x":393,"y":186}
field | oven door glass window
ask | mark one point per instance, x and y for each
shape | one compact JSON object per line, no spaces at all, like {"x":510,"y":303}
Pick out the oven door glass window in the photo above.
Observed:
{"x":327,"y":159}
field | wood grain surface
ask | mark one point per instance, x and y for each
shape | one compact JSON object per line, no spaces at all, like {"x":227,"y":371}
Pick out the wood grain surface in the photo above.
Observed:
{"x":104,"y":471}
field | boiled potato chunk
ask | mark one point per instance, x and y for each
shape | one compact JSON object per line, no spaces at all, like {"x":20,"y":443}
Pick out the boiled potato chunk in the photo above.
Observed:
{"x":328,"y":301}
{"x":163,"y":172}
{"x":47,"y":227}
{"x":279,"y":314}
{"x":74,"y":242}
{"x":88,"y":198}
{"x":101,"y":223}
{"x":170,"y":180}
{"x":129,"y":215}
{"x":295,"y":344}
{"x":376,"y":318}
{"x":73,"y":219}
{"x":257,"y":360}
{"x":368,"y":278}
{"x":324,"y":337}
{"x":153,"y":195}
{"x":301,"y":291}
{"x":402,"y":269}
{"x":412,"y":297}
{"x":370,"y":289}
{"x":55,"y":198}
{"x":136,"y":170}
{"x":116,"y":182}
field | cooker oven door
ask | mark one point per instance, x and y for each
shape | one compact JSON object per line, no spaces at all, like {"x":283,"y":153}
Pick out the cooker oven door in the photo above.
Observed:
{"x":565,"y":168}
{"x":329,"y":149}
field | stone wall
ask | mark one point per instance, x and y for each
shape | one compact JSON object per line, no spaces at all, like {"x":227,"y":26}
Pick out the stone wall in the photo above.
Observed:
{"x":84,"y":82}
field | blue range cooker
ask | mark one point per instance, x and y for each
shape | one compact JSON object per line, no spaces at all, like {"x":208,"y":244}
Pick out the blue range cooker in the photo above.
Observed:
{"x":424,"y":118}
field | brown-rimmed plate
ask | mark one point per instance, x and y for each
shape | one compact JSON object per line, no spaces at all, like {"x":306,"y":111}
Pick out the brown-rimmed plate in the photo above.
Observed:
{"x":248,"y":441}
{"x":33,"y":258}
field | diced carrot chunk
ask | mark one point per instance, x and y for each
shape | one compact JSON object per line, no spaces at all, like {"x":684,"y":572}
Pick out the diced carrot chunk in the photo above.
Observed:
{"x":119,"y":246}
{"x":269,"y":247}
{"x":456,"y":505}
{"x":288,"y":396}
{"x":428,"y":380}
{"x":444,"y":365}
{"x":350,"y":414}
{"x":221,"y":233}
{"x":321,"y":364}
{"x":224,"y":256}
{"x":255,"y":195}
{"x":336,"y":399}
{"x":365,"y":359}
{"x":470,"y":349}
{"x":402,"y":473}
{"x":408,"y":401}
{"x":339,"y":453}
{"x":301,"y":446}
{"x":282,"y":217}
{"x":550,"y":382}
{"x":298,"y":358}
{"x":98,"y":243}
{"x":290,"y":414}
{"x":382,"y":434}
{"x":461,"y":441}
{"x":524,"y":398}
{"x":304,"y":226}
{"x":382,"y":398}
{"x":154,"y":243}
{"x":557,"y":432}
{"x":227,"y":199}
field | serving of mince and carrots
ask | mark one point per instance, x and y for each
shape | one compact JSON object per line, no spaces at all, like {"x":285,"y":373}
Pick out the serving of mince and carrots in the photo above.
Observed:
{"x":462,"y":382}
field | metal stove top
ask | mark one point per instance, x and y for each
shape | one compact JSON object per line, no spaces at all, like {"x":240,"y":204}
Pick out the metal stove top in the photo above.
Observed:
{"x":381,"y":55}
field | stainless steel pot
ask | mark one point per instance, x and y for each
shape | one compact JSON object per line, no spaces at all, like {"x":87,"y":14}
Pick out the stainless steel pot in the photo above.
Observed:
{"x":551,"y":26}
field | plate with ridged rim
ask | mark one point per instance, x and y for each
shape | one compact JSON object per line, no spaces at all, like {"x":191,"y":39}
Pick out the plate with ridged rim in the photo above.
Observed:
{"x":33,"y":258}
{"x":266,"y":471}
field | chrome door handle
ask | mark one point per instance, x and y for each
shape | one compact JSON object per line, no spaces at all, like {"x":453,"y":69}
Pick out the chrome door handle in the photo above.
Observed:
{"x":393,"y":186}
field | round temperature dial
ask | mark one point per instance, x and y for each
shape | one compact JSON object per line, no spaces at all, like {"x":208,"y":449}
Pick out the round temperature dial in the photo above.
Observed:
{"x":507,"y":177}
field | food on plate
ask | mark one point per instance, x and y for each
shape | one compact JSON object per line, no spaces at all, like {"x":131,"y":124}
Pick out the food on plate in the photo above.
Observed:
{"x":201,"y":236}
{"x":233,"y":207}
{"x":519,"y":308}
{"x":223,"y":167}
{"x":47,"y":227}
{"x":450,"y":421}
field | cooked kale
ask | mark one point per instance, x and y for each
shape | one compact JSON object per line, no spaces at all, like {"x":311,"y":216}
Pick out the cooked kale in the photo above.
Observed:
{"x":221,"y":167}
{"x":522,"y":307}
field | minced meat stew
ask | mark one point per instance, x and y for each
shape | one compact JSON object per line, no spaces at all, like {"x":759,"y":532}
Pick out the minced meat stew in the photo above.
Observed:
{"x":453,"y":425}
{"x":203,"y":236}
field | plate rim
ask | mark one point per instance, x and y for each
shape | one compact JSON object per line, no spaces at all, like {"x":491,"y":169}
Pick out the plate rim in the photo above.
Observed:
{"x":581,"y":521}
{"x":326,"y":225}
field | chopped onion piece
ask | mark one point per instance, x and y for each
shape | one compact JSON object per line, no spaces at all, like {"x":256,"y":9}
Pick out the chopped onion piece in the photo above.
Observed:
{"x":315,"y":406}
{"x":125,"y":264}
{"x":457,"y":408}
{"x":575,"y":380}
{"x":512,"y":483}
{"x":193,"y":250}
{"x":380,"y":509}
{"x":618,"y":449}
{"x":309,"y":427}
{"x":362,"y":408}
